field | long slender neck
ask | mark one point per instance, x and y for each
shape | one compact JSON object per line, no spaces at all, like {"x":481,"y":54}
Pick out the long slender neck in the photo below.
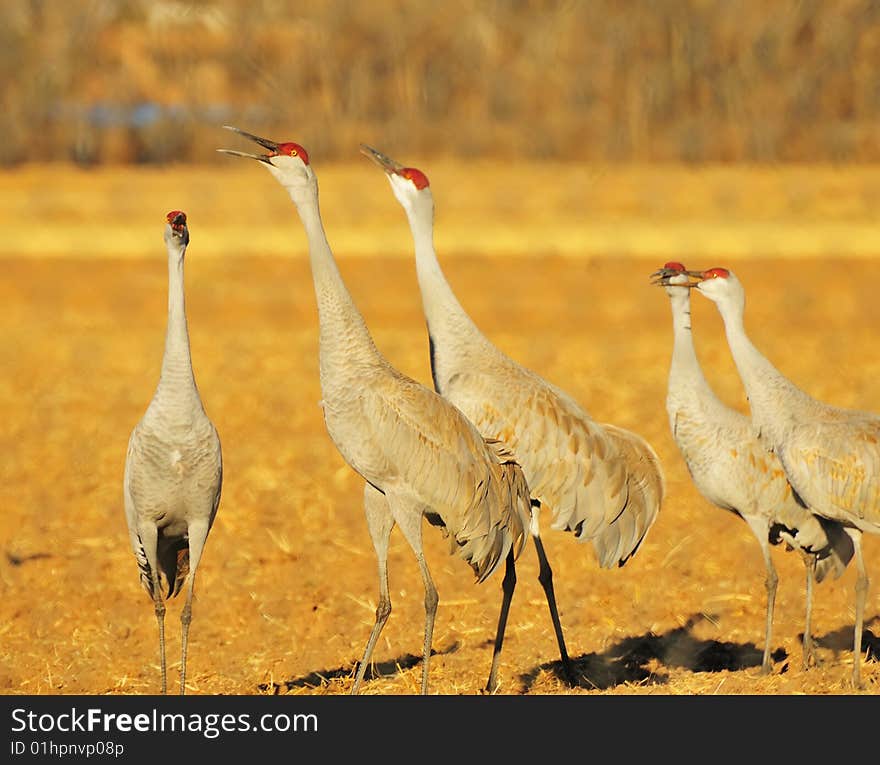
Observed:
{"x":773,"y":398}
{"x":685,"y":372}
{"x":448,"y":322}
{"x":177,"y":369}
{"x":344,"y":337}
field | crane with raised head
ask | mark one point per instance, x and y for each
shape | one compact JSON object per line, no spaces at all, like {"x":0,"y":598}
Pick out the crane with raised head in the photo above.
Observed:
{"x":733,"y":470}
{"x":173,"y":466}
{"x":830,"y":455}
{"x":420,"y":456}
{"x":602,"y":483}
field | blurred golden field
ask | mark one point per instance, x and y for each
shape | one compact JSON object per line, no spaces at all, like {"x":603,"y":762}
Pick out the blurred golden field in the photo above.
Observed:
{"x":552,"y":261}
{"x":146,"y":81}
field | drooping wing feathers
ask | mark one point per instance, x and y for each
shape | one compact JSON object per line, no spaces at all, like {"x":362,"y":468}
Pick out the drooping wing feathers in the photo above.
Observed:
{"x":219,"y":480}
{"x":732,"y":468}
{"x":564,"y":460}
{"x":646,"y":487}
{"x":835,"y":468}
{"x":839,"y":550}
{"x":173,"y":563}
{"x":514,"y":491}
{"x":574,"y":466}
{"x":431,"y":453}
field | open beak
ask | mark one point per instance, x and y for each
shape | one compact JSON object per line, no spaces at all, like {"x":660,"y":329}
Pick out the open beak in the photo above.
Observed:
{"x":264,"y":142}
{"x":385,"y":162}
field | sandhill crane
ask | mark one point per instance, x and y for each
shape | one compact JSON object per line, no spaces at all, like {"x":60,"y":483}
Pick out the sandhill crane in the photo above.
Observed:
{"x":173,"y":466}
{"x":830,"y":455}
{"x":420,"y":456}
{"x":733,"y":470}
{"x":601,"y":482}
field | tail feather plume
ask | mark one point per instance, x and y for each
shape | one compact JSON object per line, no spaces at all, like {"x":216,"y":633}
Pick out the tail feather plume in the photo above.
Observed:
{"x":645,"y":489}
{"x":173,"y":564}
{"x":509,"y":507}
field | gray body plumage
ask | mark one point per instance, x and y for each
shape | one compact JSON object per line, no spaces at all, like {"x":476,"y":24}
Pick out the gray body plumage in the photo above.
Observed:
{"x":602,"y":483}
{"x":420,"y":456}
{"x":830,"y":455}
{"x":733,"y":470}
{"x":173,"y":466}
{"x":401,"y":437}
{"x":173,"y":476}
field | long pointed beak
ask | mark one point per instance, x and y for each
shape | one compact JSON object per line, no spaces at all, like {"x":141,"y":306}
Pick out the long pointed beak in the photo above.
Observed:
{"x":264,"y":142}
{"x":384,"y":161}
{"x":661,"y":277}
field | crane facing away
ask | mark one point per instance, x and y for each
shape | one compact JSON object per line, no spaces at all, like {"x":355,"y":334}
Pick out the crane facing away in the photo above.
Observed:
{"x":173,"y":466}
{"x":830,"y":455}
{"x":733,"y":470}
{"x":601,"y":482}
{"x":419,"y":455}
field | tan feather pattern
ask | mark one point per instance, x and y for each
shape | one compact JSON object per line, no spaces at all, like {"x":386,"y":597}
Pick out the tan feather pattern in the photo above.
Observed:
{"x":645,"y":490}
{"x":570,"y":464}
{"x":835,"y":466}
{"x":439,"y":460}
{"x":574,"y":466}
{"x":827,"y":453}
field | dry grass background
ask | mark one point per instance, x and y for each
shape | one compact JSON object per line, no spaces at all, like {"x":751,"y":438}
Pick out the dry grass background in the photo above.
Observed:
{"x":287,"y":587}
{"x":146,"y":81}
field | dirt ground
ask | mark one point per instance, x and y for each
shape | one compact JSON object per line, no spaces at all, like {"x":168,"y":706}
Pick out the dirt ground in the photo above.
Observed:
{"x":287,"y":587}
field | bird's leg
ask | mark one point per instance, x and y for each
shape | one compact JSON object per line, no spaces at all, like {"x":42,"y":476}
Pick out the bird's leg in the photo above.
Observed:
{"x":508,"y":585}
{"x":198,"y":533}
{"x":431,"y":601}
{"x":149,"y":538}
{"x":762,"y":531}
{"x":862,"y":583}
{"x":159,"y":605}
{"x":411,"y":525}
{"x":380,"y":522}
{"x":770,"y":583}
{"x":545,"y":577}
{"x":808,"y":656}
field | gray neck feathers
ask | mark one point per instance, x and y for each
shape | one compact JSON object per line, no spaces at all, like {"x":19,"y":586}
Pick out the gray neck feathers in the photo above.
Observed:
{"x":685,"y":372}
{"x":773,"y":399}
{"x":448,"y":323}
{"x":177,"y":372}
{"x":344,"y":338}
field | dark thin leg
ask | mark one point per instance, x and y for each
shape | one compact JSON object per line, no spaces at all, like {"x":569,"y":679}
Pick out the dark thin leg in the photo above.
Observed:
{"x":545,"y":577}
{"x":508,"y":584}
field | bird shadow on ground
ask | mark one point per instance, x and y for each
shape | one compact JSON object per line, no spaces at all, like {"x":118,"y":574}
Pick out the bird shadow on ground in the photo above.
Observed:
{"x":322,"y":677}
{"x":629,"y":660}
{"x":841,"y":640}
